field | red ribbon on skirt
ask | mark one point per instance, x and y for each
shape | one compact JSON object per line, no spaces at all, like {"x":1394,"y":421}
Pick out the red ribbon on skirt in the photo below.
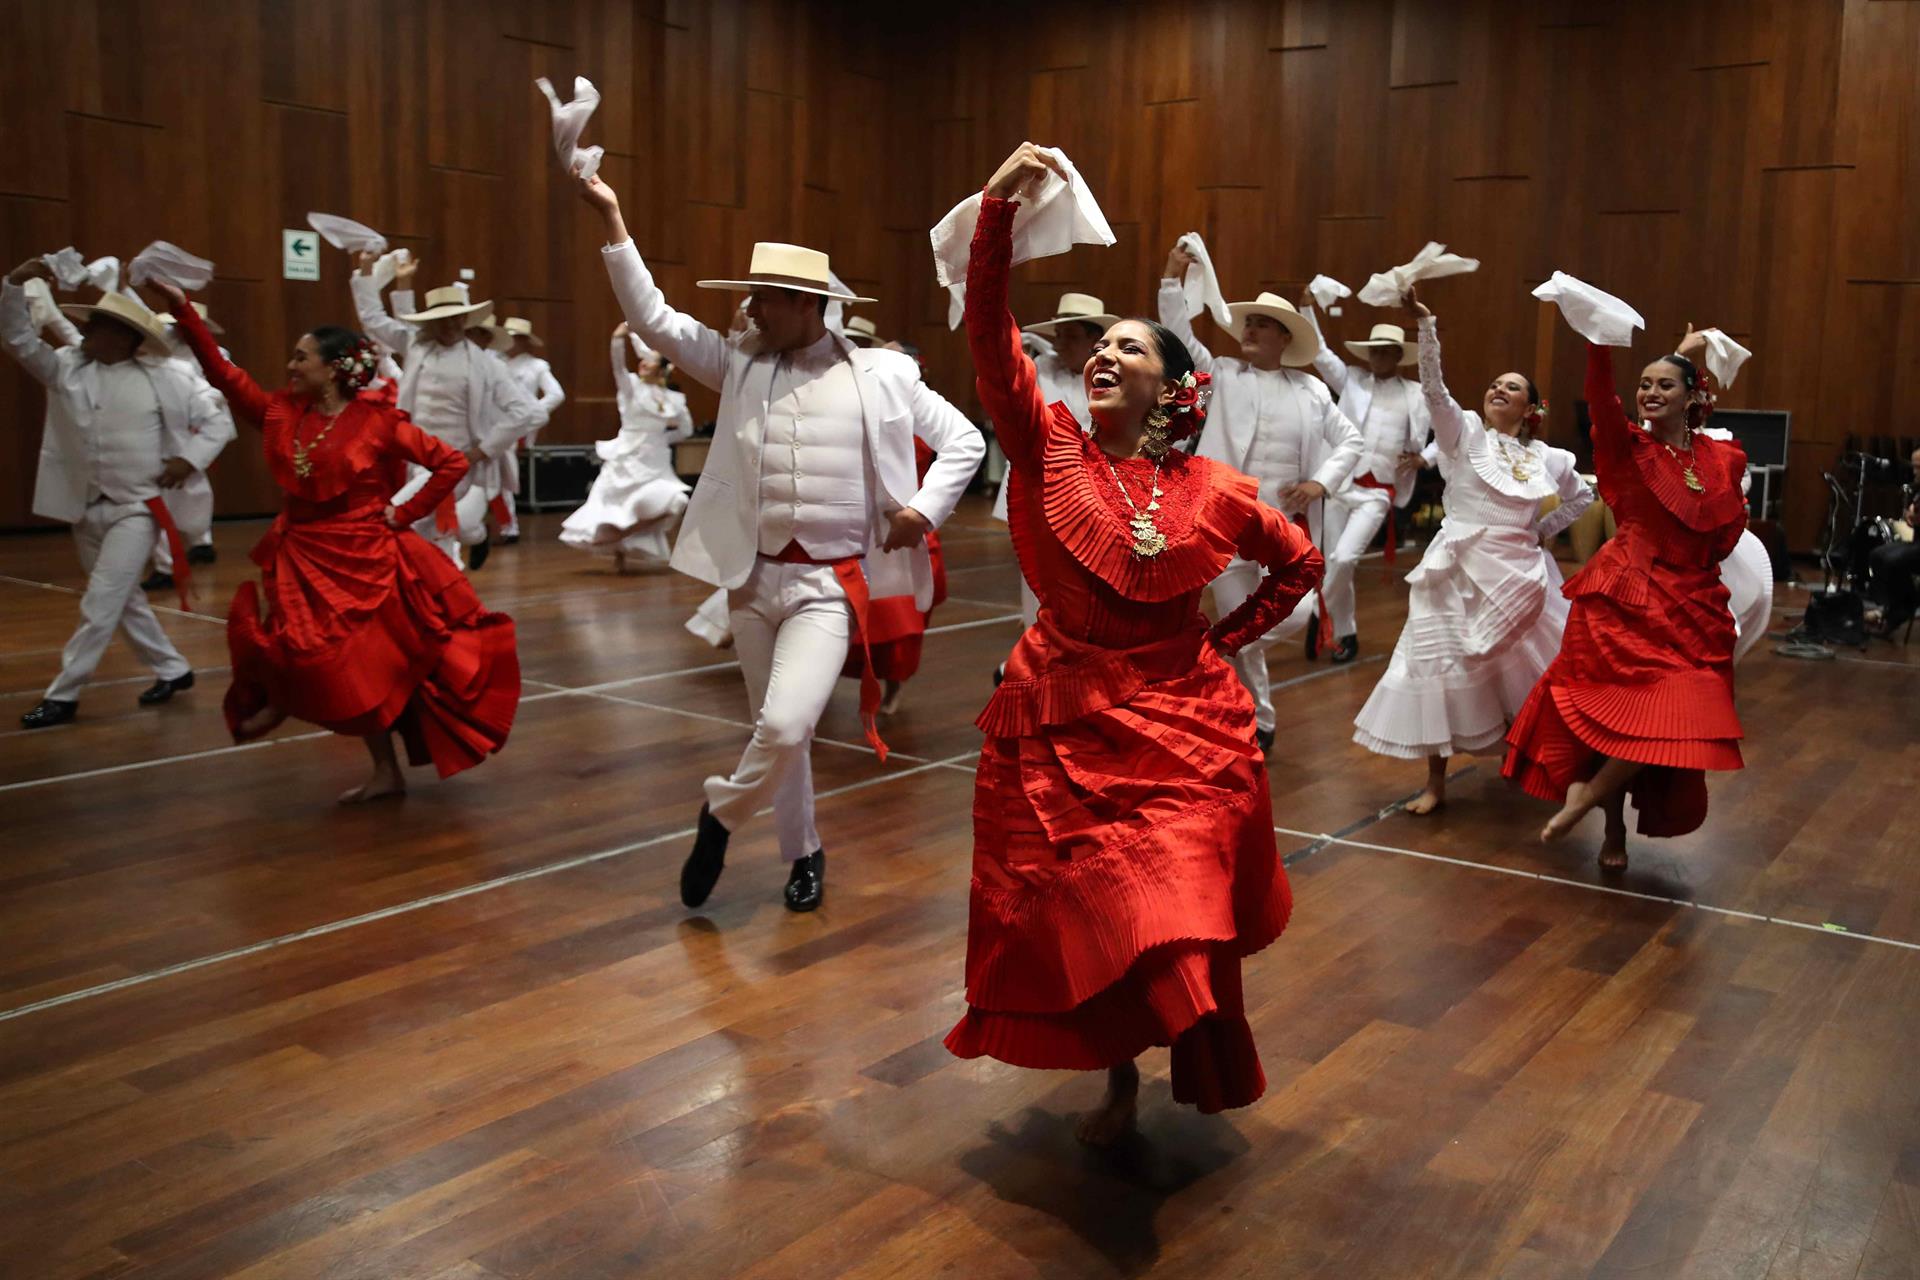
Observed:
{"x":1368,"y":482}
{"x":1325,"y":619}
{"x":852,"y":575}
{"x":182,"y":575}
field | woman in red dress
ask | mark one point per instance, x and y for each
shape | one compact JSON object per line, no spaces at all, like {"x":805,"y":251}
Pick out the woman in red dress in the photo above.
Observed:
{"x":359,"y":625}
{"x":1640,"y":701}
{"x":1124,"y":860}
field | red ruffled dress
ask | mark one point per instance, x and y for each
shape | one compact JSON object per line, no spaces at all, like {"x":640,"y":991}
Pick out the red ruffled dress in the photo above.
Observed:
{"x":367,"y":627}
{"x":1124,"y":858}
{"x":1645,"y":671}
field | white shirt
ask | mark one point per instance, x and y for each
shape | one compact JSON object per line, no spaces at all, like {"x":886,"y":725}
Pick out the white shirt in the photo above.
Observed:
{"x":813,"y":460}
{"x":440,"y":399}
{"x":1061,"y":385}
{"x":1388,"y":430}
{"x":124,"y":446}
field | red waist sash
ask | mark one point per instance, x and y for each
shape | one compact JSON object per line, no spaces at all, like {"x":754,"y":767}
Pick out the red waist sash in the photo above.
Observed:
{"x":182,"y":575}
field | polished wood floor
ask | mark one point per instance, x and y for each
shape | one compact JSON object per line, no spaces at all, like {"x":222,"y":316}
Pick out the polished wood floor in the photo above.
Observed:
{"x":473,"y":1035}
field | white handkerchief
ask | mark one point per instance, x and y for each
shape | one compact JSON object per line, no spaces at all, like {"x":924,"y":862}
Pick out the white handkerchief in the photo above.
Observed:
{"x":1388,"y":288}
{"x":1326,"y":291}
{"x":836,"y":317}
{"x":345,"y":233}
{"x":1599,"y":317}
{"x":640,"y":349}
{"x":569,"y":122}
{"x":1201,"y":288}
{"x":163,"y":261}
{"x":1724,"y":356}
{"x":72,"y":271}
{"x":1051,"y":222}
{"x":387,"y":265}
{"x":40,"y":304}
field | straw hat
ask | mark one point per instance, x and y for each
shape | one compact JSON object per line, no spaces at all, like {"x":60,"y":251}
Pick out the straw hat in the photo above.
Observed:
{"x":786,"y":266}
{"x":213,"y":326}
{"x":1083,"y":308}
{"x":517,"y":327}
{"x":128,"y":310}
{"x":862,"y":332}
{"x":450,"y":300}
{"x":1387,"y":335}
{"x":1306,"y":342}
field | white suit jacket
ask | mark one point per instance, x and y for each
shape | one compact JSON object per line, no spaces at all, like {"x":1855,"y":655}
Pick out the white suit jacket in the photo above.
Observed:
{"x":1333,"y":445}
{"x":1355,"y":387}
{"x":195,"y":424}
{"x":719,"y":536}
{"x":499,"y":411}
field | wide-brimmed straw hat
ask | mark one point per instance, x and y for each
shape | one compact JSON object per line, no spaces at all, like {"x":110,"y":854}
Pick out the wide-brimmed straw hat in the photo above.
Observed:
{"x":862,"y":332}
{"x":520,"y":327}
{"x":128,"y":310}
{"x":1306,"y":342}
{"x":1386,"y":335}
{"x":786,"y":266}
{"x":1076,"y":308}
{"x":442,"y":303}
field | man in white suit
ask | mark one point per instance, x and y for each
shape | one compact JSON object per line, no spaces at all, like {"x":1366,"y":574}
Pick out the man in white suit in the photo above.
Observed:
{"x":812,"y":467}
{"x":456,"y":390}
{"x":535,"y":377}
{"x":1391,"y":414}
{"x":1278,"y":425}
{"x":123,"y":423}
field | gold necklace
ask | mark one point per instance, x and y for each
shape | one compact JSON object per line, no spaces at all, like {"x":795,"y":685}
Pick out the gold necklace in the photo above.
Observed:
{"x":303,"y":453}
{"x":1687,"y":473}
{"x":1148,"y":541}
{"x":1515,"y":465}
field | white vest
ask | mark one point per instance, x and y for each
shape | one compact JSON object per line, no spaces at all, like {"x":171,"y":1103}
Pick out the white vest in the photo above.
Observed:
{"x":814,"y":475}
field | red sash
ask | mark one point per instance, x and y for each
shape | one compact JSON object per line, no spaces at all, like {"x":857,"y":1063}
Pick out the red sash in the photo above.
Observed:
{"x":1368,"y":482}
{"x":445,"y":518}
{"x":1326,"y":619}
{"x":853,"y":581}
{"x":502,"y":513}
{"x":182,"y":576}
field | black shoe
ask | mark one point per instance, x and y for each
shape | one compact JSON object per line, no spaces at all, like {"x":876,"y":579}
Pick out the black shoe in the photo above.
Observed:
{"x":807,"y":884}
{"x":508,"y":540}
{"x":1347,"y":649}
{"x":161,"y":690}
{"x":703,"y":866}
{"x":1264,"y":737}
{"x":49,"y":713}
{"x":157,"y":582}
{"x":999,"y":674}
{"x":1313,"y":636}
{"x":477,"y":555}
{"x":201,"y":554}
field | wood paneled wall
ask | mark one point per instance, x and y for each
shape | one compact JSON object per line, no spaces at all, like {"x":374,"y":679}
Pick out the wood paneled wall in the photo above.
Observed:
{"x":1741,"y":163}
{"x":1747,"y":163}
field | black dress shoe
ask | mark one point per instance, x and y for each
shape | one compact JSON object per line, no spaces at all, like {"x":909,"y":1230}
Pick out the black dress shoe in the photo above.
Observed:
{"x":999,"y":674}
{"x":1347,"y":649}
{"x":703,"y":866}
{"x":509,"y":539}
{"x":807,"y":884}
{"x":157,"y":582}
{"x":1313,"y":636}
{"x":477,"y":555}
{"x":161,"y":690}
{"x":49,"y":713}
{"x":1264,"y":737}
{"x":201,"y":554}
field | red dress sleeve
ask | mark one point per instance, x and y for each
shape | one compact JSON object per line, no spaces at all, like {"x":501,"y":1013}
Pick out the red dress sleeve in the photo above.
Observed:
{"x":1611,"y":430}
{"x":231,"y":381}
{"x":1294,"y":567}
{"x":448,"y":465}
{"x":1009,"y":385}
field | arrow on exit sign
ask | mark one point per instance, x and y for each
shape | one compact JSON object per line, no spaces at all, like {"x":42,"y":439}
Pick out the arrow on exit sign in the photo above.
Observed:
{"x":299,"y":259}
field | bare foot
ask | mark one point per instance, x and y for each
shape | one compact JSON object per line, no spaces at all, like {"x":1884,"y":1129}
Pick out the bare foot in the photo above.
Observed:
{"x":379,"y":786}
{"x":895,"y":695}
{"x":1114,"y":1119}
{"x":1613,"y":857}
{"x":1579,"y":804}
{"x":1427,"y":801}
{"x":259,"y":722}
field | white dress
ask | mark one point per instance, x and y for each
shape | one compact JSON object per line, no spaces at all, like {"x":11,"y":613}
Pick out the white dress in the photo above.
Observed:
{"x":1485,"y":615}
{"x":1748,"y":575}
{"x":636,"y":500}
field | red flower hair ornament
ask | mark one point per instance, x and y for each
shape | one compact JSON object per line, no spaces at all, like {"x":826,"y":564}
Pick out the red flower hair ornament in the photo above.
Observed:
{"x":1187,"y":411}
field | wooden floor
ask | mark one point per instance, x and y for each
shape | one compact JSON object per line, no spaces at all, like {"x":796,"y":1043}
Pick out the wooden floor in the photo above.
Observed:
{"x":473,"y":1035}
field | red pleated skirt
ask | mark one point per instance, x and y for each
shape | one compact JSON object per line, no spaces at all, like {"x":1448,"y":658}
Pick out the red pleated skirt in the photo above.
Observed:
{"x":370,"y":629}
{"x":1124,"y":866}
{"x":1645,"y":673}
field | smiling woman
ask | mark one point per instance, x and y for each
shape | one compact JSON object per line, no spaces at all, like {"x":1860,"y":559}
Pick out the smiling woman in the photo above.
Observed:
{"x":1124,"y":861}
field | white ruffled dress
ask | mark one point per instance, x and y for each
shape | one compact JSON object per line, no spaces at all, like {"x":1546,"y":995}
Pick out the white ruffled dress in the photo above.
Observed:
{"x":636,"y":500}
{"x":1486,"y":614}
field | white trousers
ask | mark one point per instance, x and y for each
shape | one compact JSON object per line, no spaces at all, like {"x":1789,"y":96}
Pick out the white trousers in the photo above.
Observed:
{"x":509,"y":489}
{"x":114,"y":540}
{"x":791,"y":627}
{"x":1348,"y":532}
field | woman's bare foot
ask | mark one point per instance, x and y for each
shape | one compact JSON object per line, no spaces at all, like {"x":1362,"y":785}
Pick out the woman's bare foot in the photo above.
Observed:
{"x":1579,"y":804}
{"x":1613,"y":846}
{"x":1114,"y":1120}
{"x":1613,"y":857}
{"x":379,"y":786}
{"x":1435,"y":794}
{"x":895,"y":695}
{"x":260,"y":721}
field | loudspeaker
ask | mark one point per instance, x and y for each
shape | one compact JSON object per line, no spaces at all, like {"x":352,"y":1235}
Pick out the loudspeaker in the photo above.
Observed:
{"x":1836,"y":617}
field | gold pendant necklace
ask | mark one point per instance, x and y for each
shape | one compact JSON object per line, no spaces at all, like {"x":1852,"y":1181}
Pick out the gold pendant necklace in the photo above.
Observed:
{"x":1148,"y":541}
{"x":303,"y":453}
{"x":1688,"y":476}
{"x":1515,"y":465}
